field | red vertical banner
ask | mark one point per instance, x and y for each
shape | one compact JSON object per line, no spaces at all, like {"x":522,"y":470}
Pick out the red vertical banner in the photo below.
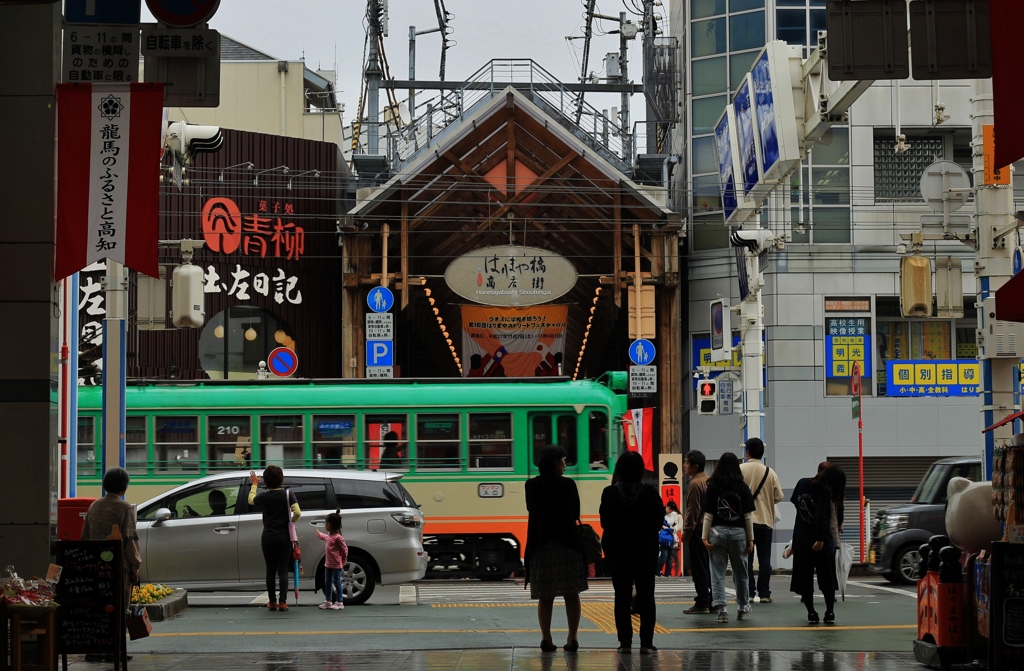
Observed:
{"x":1005,"y":19}
{"x":638,"y":427}
{"x":108,"y":175}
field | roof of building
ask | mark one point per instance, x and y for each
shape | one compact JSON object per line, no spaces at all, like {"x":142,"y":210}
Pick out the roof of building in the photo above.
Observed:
{"x":233,"y":50}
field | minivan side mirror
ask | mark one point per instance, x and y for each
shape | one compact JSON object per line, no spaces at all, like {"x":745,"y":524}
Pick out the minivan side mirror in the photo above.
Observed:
{"x":162,"y":515}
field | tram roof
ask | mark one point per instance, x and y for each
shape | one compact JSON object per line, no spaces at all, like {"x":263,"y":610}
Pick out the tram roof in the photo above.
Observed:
{"x":381,"y":395}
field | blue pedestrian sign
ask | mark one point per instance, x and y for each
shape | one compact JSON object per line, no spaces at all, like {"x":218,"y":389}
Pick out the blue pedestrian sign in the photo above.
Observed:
{"x":380,"y":299}
{"x":282,"y":362}
{"x":118,"y":12}
{"x":380,"y":352}
{"x":641,"y":352}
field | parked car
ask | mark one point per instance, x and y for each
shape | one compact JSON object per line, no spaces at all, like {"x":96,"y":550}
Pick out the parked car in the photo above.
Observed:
{"x":206,"y":536}
{"x":897,"y":533}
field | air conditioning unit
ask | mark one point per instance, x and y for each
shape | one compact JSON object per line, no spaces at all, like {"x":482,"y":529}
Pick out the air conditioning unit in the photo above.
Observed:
{"x":998,"y":339}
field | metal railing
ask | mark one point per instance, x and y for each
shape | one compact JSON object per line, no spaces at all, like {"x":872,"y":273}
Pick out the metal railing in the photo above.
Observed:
{"x":595,"y":129}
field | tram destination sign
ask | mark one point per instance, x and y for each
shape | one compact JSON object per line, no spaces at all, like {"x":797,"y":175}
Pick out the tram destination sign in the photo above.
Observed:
{"x":510,"y":275}
{"x":380,"y":326}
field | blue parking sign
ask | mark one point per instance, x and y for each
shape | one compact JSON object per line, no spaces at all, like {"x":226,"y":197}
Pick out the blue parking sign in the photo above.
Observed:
{"x":380,"y":352}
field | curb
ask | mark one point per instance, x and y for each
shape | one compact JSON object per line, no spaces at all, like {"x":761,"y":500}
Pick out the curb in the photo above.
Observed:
{"x":168,"y":607}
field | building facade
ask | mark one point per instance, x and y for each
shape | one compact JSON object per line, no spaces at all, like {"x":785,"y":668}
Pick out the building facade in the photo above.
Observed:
{"x":832,"y":295}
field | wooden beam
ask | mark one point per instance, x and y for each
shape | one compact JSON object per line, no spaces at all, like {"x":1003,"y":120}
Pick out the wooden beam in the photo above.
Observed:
{"x":533,"y":188}
{"x":468,"y":171}
{"x":510,"y":145}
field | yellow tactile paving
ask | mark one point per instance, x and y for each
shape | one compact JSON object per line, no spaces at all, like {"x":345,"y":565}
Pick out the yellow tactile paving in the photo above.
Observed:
{"x":603,"y":615}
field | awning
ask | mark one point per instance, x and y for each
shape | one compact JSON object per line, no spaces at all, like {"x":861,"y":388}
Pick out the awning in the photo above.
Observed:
{"x":1005,"y":420}
{"x":1010,"y":300}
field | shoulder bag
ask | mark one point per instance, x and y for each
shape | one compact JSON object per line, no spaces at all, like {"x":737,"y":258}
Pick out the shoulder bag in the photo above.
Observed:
{"x":589,"y":542}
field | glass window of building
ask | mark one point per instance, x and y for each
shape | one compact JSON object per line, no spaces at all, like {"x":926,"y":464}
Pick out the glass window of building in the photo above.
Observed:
{"x":898,"y":176}
{"x":743,"y":5}
{"x":822,"y":187}
{"x":334,"y":440}
{"x":707,"y":193}
{"x":746,"y":31}
{"x":437,"y":441}
{"x":705,"y":156}
{"x":235,"y":340}
{"x":709,"y":232}
{"x":176,"y":444}
{"x":282,"y":441}
{"x":739,"y":66}
{"x":700,"y":9}
{"x":136,"y":457}
{"x":708,"y":37}
{"x":490,"y":440}
{"x":228,"y":441}
{"x":709,"y":75}
{"x":706,"y":112}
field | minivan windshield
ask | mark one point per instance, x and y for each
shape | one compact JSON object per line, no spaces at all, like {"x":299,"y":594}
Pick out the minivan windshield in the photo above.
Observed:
{"x":931,"y":484}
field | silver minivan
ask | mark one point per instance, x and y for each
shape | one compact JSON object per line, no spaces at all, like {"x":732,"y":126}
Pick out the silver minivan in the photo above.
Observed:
{"x":206,"y":536}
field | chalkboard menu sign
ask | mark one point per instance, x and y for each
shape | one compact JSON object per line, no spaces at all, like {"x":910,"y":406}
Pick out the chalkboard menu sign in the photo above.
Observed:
{"x":91,"y":597}
{"x":1006,"y":600}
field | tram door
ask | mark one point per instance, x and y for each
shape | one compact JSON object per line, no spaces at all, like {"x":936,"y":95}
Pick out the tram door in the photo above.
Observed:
{"x":553,"y":428}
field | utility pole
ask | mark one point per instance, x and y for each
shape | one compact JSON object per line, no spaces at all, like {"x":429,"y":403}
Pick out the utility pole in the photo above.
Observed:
{"x":993,"y":267}
{"x":627,"y":144}
{"x":115,"y":286}
{"x":373,"y":74}
{"x":650,"y":79}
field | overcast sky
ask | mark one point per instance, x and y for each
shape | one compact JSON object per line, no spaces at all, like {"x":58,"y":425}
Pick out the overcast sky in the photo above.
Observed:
{"x":332,"y":31}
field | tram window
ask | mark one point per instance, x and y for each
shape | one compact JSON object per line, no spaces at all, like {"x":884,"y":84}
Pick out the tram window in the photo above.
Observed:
{"x":136,"y":460}
{"x":87,"y":459}
{"x":566,"y":437}
{"x":281,"y":441}
{"x":334,"y":440}
{"x":437,"y":441}
{"x":228,"y":441}
{"x":490,"y":440}
{"x":176,"y":444}
{"x":387,"y":441}
{"x":541,"y":435}
{"x":598,"y":441}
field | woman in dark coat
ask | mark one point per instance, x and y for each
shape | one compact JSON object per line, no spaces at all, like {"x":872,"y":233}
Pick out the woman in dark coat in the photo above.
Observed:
{"x":554,"y":557}
{"x":631,"y":515}
{"x":814,"y":547}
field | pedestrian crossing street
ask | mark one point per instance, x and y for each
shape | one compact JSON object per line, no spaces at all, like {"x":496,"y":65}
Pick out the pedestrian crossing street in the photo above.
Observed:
{"x":511,"y":592}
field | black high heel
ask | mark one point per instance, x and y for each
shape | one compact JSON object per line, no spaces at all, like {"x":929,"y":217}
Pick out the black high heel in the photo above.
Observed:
{"x":548,"y":646}
{"x":572,"y":646}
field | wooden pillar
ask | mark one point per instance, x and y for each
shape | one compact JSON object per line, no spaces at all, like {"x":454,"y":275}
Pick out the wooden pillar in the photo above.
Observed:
{"x":356,"y":264}
{"x":670,"y":345}
{"x":617,"y":248}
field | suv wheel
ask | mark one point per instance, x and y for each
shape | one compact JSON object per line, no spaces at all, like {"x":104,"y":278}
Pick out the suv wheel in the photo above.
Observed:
{"x":358,"y":579}
{"x":904,"y":566}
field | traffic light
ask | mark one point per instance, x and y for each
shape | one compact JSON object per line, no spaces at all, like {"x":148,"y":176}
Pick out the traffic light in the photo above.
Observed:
{"x":707,"y":397}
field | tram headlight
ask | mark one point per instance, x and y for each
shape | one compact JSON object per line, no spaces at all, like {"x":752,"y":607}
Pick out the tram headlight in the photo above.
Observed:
{"x":408,"y":520}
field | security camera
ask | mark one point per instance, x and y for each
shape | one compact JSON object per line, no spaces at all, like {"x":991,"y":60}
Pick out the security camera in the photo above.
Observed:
{"x":757,"y":240}
{"x":187,"y":139}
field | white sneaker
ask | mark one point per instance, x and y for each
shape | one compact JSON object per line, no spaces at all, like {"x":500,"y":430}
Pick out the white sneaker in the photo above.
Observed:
{"x":337,"y":605}
{"x":325,"y":605}
{"x":756,"y":599}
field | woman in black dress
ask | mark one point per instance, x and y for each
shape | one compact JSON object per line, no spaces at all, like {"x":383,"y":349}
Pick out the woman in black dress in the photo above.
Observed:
{"x":814,"y":547}
{"x":554,"y":557}
{"x":631,"y":516}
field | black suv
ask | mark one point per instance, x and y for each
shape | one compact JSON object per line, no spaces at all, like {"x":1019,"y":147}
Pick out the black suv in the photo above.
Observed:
{"x":897,"y":533}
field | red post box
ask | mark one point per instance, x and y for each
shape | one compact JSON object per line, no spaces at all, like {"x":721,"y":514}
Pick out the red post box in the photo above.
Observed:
{"x":71,"y":518}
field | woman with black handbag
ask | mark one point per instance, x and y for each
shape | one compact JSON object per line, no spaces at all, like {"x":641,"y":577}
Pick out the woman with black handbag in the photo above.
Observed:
{"x":554,"y":559}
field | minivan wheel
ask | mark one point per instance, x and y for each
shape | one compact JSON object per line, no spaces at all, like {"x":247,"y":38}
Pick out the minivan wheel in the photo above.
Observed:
{"x":358,"y":580}
{"x":904,"y":566}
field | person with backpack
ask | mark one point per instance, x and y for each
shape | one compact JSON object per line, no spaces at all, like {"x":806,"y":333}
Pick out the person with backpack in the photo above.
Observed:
{"x":728,"y":533}
{"x":767,"y":492}
{"x":668,"y":539}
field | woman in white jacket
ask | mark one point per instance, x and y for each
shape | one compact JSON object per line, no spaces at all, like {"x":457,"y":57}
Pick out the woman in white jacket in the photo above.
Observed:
{"x":673,"y":523}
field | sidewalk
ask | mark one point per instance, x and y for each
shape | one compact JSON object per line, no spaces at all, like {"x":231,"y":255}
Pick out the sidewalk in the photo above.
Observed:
{"x":516,"y":659}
